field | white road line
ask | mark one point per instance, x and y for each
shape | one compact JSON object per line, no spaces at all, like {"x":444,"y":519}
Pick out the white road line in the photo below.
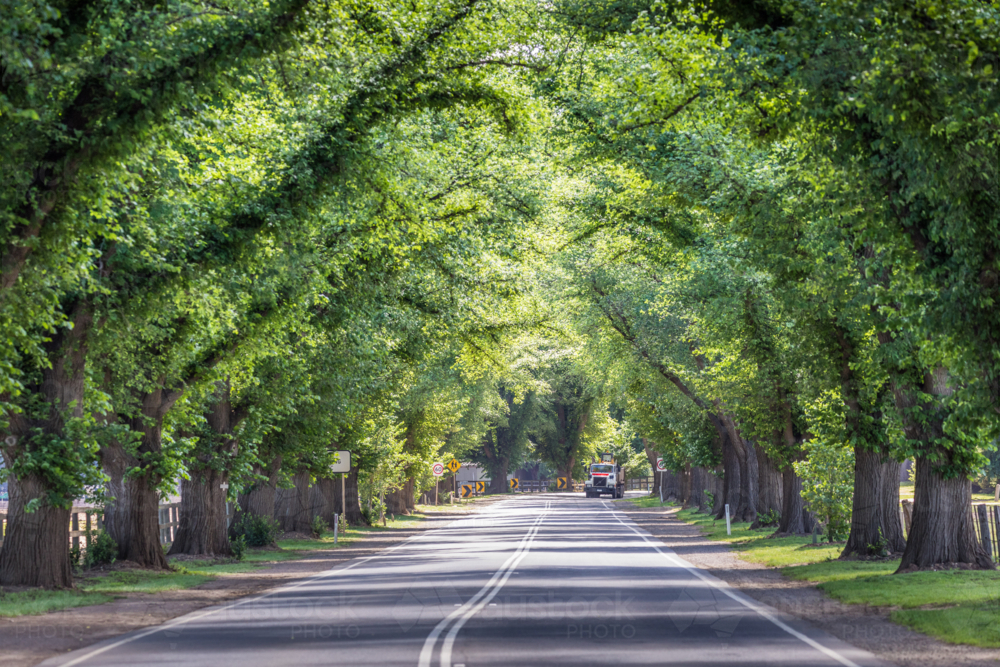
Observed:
{"x":467,"y":610}
{"x":830,"y":653}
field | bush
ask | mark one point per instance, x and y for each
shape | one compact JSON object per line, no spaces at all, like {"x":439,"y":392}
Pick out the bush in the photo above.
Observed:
{"x":319,"y":526}
{"x":101,"y":549}
{"x":239,"y":547}
{"x":258,"y":531}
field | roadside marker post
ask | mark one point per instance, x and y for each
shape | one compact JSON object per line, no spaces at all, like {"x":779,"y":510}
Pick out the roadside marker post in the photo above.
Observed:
{"x":336,"y":524}
{"x":729,"y":529}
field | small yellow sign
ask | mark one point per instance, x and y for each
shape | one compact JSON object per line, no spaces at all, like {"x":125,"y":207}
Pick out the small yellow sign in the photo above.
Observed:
{"x":514,"y":485}
{"x":480,"y":487}
{"x":467,"y":490}
{"x":454,"y":465}
{"x":562,"y":483}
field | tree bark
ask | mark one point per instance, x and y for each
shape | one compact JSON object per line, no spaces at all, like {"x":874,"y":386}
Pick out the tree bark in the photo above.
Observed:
{"x":259,"y":499}
{"x":35,"y":551}
{"x":353,"y":510}
{"x":203,"y":530}
{"x":875,"y":508}
{"x":36,"y":547}
{"x":399,"y":501}
{"x":942,"y":529}
{"x":771,"y":482}
{"x":651,"y":456}
{"x":792,"y":507}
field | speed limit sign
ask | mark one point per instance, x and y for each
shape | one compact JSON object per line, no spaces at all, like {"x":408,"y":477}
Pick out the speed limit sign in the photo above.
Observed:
{"x":438,"y":469}
{"x":660,"y":465}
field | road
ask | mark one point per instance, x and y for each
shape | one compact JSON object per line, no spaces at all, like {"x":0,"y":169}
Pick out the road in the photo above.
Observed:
{"x":546,"y":579}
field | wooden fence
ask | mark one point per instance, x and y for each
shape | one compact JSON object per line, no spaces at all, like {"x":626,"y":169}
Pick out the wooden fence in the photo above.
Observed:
{"x":82,"y":520}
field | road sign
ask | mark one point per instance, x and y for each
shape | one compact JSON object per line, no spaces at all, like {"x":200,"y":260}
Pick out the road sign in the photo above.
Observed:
{"x":454,"y":465}
{"x":480,"y":487}
{"x":467,"y":490}
{"x":561,"y":483}
{"x":437,"y":469}
{"x":343,"y":463}
{"x":661,"y":465}
{"x":514,"y":486}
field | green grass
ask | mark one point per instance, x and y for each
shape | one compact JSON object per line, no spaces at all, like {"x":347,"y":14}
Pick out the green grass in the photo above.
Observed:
{"x":143,"y":581}
{"x":646,"y":501}
{"x":30,"y":603}
{"x":957,"y":606}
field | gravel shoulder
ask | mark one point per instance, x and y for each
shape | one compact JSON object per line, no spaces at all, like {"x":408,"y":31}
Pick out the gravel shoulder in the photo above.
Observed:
{"x":866,"y":627}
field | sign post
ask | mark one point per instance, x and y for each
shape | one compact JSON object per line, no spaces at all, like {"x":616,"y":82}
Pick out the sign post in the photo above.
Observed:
{"x":453,"y":466}
{"x":343,"y":466}
{"x":660,"y":467}
{"x":729,"y":530}
{"x":438,"y":470}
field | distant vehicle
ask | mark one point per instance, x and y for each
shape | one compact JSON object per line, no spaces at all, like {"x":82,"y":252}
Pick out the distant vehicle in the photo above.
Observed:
{"x":605,"y":477}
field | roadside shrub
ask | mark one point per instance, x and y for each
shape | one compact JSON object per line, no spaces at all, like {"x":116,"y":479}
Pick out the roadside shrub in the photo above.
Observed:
{"x":319,"y":526}
{"x":258,"y":531}
{"x":828,"y":471}
{"x":239,"y":547}
{"x":101,"y":549}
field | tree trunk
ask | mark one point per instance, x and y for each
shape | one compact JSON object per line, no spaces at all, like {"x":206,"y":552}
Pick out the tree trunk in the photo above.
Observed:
{"x":672,"y":485}
{"x":875,"y":508}
{"x":260,"y":499}
{"x":203,"y":530}
{"x":685,"y":495}
{"x":133,"y":519}
{"x":651,"y":456}
{"x":353,"y":511}
{"x":36,"y":547}
{"x":942,"y":530}
{"x":326,"y":497}
{"x":792,"y":508}
{"x":395,"y":500}
{"x":770,"y":486}
{"x":35,"y":550}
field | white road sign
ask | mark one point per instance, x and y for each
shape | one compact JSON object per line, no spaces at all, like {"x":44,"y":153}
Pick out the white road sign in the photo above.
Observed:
{"x":438,"y":469}
{"x":343,"y":463}
{"x":660,"y":465}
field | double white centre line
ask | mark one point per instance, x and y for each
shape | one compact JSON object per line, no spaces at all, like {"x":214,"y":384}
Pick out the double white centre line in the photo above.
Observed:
{"x":461,"y":616}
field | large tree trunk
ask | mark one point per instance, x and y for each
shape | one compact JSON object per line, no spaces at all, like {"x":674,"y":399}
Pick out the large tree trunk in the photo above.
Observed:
{"x":353,"y":511}
{"x":942,"y":530}
{"x":326,"y":497}
{"x":259,"y":500}
{"x":792,"y":508}
{"x":672,"y":485}
{"x":398,"y":500}
{"x":685,"y":477}
{"x":875,"y":508}
{"x":294,"y":506}
{"x":203,"y":530}
{"x":204,"y":527}
{"x":35,"y":550}
{"x":36,"y":547}
{"x":770,"y":483}
{"x":132,"y":519}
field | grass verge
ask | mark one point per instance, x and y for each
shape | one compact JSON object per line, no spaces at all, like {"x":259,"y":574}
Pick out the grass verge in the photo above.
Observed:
{"x":956,"y":606}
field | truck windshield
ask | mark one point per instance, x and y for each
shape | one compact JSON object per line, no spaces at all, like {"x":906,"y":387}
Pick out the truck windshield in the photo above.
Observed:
{"x":606,"y":468}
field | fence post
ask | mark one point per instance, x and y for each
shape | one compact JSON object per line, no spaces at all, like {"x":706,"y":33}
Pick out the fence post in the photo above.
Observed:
{"x":907,"y":515}
{"x":984,"y":529}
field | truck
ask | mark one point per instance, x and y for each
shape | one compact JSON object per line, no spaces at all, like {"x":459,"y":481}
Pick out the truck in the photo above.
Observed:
{"x":605,"y":477}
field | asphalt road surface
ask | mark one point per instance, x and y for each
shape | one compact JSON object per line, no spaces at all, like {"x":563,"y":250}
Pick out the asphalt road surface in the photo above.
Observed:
{"x":534,"y":580}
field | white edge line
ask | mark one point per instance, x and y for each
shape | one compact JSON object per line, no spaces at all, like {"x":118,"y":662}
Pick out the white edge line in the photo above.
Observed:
{"x":743,"y":600}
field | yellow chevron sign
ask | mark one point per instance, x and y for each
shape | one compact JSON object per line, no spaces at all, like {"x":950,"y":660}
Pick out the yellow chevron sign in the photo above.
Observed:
{"x":480,"y":487}
{"x":467,"y":490}
{"x":514,"y":486}
{"x":562,"y":483}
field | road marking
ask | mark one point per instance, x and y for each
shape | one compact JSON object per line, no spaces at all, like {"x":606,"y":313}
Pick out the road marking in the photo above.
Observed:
{"x":478,"y":601}
{"x":720,"y":586}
